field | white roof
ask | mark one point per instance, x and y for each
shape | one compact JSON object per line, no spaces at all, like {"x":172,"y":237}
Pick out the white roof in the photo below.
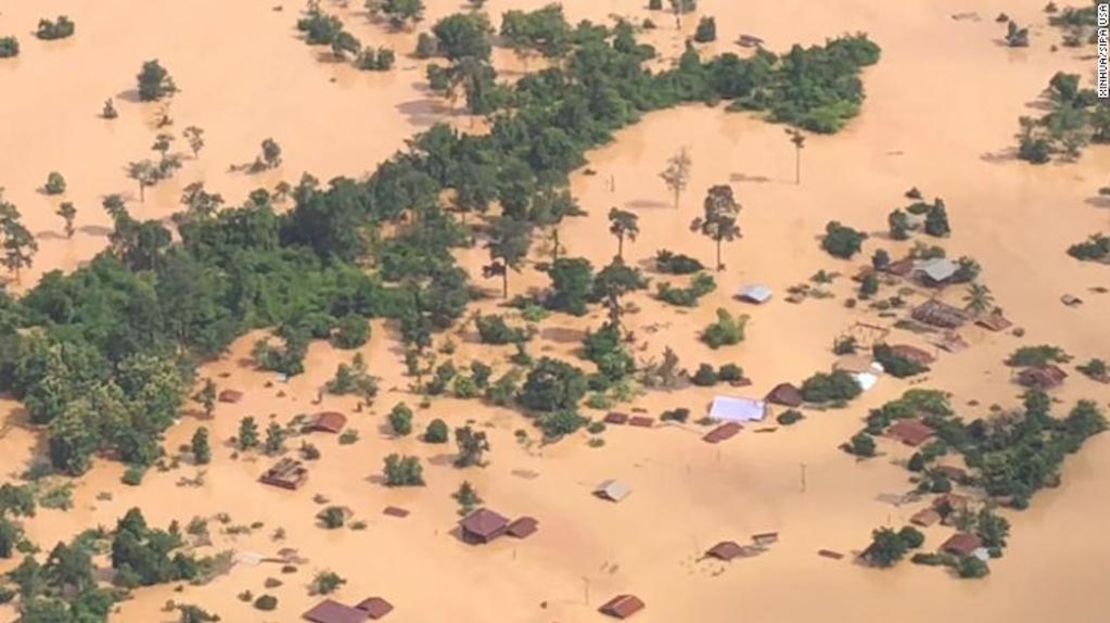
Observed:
{"x":938,"y":269}
{"x":755,"y":293}
{"x":613,"y":490}
{"x":732,"y":409}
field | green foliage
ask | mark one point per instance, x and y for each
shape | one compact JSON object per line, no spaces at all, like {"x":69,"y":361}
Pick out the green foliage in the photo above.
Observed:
{"x":55,"y":184}
{"x":353,"y":331}
{"x":472,"y":446}
{"x":398,"y":12}
{"x":1095,"y":369}
{"x":402,"y":471}
{"x":1095,"y":248}
{"x":680,"y":414}
{"x":400,"y":419}
{"x":275,"y":438}
{"x":145,"y":556}
{"x":552,"y":385}
{"x":971,"y":567}
{"x":467,"y":497}
{"x":266,"y":603}
{"x":9,"y":47}
{"x":381,"y":59}
{"x":544,"y":31}
{"x":58,"y":29}
{"x":1033,"y":356}
{"x":936,"y":220}
{"x":730,"y":372}
{"x":327,"y":582}
{"x":1075,"y":118}
{"x":133,"y":475}
{"x":571,"y":285}
{"x":248,"y":434}
{"x":896,"y":364}
{"x":887,"y":548}
{"x":706,"y":30}
{"x":727,"y":331}
{"x":155,"y":82}
{"x":840,"y":241}
{"x":701,"y":285}
{"x":861,"y":444}
{"x":790,"y":416}
{"x":705,"y":376}
{"x":436,"y":432}
{"x":346,"y":438}
{"x":332,"y":517}
{"x":318,"y":27}
{"x":493,"y":329}
{"x":464,"y":35}
{"x":676,"y":263}
{"x":835,"y":387}
{"x":560,"y":423}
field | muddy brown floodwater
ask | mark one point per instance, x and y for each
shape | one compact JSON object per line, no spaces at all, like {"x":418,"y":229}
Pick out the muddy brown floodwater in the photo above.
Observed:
{"x":941,"y":113}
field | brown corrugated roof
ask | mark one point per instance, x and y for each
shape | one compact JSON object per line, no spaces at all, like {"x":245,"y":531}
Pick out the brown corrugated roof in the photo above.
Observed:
{"x":614,"y":417}
{"x":522,"y":527}
{"x":925,"y":517}
{"x":622,"y":606}
{"x":913,"y":353}
{"x":327,"y":422}
{"x":375,"y":607}
{"x":484,"y":523}
{"x":786,"y":394}
{"x":641,"y":421}
{"x":725,"y":550}
{"x":331,"y":611}
{"x":910,"y":432}
{"x":962,"y":544}
{"x":230,"y":395}
{"x":723,"y":432}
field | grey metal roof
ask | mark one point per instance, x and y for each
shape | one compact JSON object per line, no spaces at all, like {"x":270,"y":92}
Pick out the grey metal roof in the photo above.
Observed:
{"x":613,"y":490}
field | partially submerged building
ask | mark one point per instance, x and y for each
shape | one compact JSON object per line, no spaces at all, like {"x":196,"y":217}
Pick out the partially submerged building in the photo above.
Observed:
{"x":622,"y":606}
{"x":734,"y":409}
{"x":939,"y":314}
{"x":755,"y":294}
{"x":612,"y":490}
{"x":911,"y":432}
{"x":785,"y":394}
{"x":287,"y":473}
{"x":327,"y":422}
{"x":482,"y":526}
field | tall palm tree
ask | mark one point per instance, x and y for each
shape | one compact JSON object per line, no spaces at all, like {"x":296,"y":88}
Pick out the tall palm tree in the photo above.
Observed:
{"x":979,"y":299}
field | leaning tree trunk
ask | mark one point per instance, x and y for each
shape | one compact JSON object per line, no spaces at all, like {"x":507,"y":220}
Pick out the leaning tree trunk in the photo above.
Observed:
{"x":620,"y":247}
{"x":719,"y":265}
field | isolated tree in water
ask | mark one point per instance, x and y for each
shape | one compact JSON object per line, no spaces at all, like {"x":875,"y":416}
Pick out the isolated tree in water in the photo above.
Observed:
{"x":271,"y":153}
{"x":195,"y":137}
{"x":248,"y":433}
{"x":719,"y":219}
{"x":472,"y":446}
{"x":467,"y":497}
{"x":68,"y":212}
{"x":202,"y":452}
{"x":799,"y":141}
{"x":677,"y":174}
{"x":109,"y":110}
{"x":145,"y":173}
{"x":623,"y":224}
{"x":155,"y":82}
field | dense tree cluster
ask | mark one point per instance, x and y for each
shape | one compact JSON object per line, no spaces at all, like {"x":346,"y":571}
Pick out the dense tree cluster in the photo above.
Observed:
{"x":1076,"y":118}
{"x":155,"y":82}
{"x":1096,"y":248}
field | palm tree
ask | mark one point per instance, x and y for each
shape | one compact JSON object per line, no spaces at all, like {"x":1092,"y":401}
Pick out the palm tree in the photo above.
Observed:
{"x":623,"y":224}
{"x":799,"y":141}
{"x":979,"y":299}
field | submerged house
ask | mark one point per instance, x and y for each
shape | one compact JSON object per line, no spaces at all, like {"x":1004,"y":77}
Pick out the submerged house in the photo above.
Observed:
{"x":287,"y":473}
{"x":622,"y":606}
{"x":755,"y":294}
{"x":939,"y":314}
{"x":732,"y":409}
{"x":483,"y":526}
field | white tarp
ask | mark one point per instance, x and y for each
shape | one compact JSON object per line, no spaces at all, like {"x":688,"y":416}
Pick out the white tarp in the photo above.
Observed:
{"x":732,"y":409}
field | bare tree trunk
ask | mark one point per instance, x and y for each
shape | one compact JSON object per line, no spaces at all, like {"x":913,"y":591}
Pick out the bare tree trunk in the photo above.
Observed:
{"x":719,"y":255}
{"x":505,"y":283}
{"x":797,"y":166}
{"x":620,"y":247}
{"x":555,"y":248}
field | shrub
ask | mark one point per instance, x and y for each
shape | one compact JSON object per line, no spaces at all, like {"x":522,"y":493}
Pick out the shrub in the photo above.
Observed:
{"x":895,"y":364}
{"x":133,"y":475}
{"x":676,"y":263}
{"x":493,"y":329}
{"x":727,"y":331}
{"x":403,"y":471}
{"x":706,"y":31}
{"x":400,"y":419}
{"x":835,"y":386}
{"x":687,"y":297}
{"x":1032,"y":356}
{"x":786,"y":418}
{"x":680,"y":414}
{"x":55,"y":184}
{"x":9,"y":47}
{"x":970,"y":567}
{"x":840,"y":241}
{"x":436,"y":432}
{"x":1095,"y":248}
{"x":596,"y":428}
{"x":1095,"y":368}
{"x":929,"y":558}
{"x":426,"y":46}
{"x":332,"y":517}
{"x":912,"y":537}
{"x":730,"y":372}
{"x":59,"y":29}
{"x":326,"y":582}
{"x":861,"y":444}
{"x":266,"y":603}
{"x":655,"y":5}
{"x":560,"y":423}
{"x":706,"y":376}
{"x":155,"y":82}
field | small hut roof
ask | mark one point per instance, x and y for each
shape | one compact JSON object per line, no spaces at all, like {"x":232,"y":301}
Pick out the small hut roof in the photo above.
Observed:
{"x":1042,"y":377}
{"x":375,"y":607}
{"x":394,"y":511}
{"x":854,"y":364}
{"x":938,"y":269}
{"x":522,"y":527}
{"x":925,"y":517}
{"x":622,"y":606}
{"x":327,"y":422}
{"x":994,"y":322}
{"x":642,"y":421}
{"x":755,"y":293}
{"x":910,"y":432}
{"x":785,"y":394}
{"x":331,"y":611}
{"x":614,"y":417}
{"x":725,"y":550}
{"x":917,"y":355}
{"x":484,"y":522}
{"x":230,"y":395}
{"x":723,"y":432}
{"x":612,"y":490}
{"x":962,"y":544}
{"x":734,"y":409}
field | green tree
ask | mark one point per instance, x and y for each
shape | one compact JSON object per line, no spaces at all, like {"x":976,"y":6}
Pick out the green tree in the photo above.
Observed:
{"x":9,"y":47}
{"x":343,"y":44}
{"x":248,"y":433}
{"x":719,"y":219}
{"x":208,"y":397}
{"x":612,"y":283}
{"x":202,"y":452}
{"x":886,"y":548}
{"x":145,"y":172}
{"x":623,"y":224}
{"x":677,"y":174}
{"x":464,"y":35}
{"x":706,"y":31}
{"x":552,"y":385}
{"x":353,"y":331}
{"x":155,"y":82}
{"x":472,"y":446}
{"x":195,"y":137}
{"x":467,"y":497}
{"x":275,"y":438}
{"x":18,"y":243}
{"x":508,"y":247}
{"x":403,"y":471}
{"x":68,"y":212}
{"x":436,"y":432}
{"x":271,"y":153}
{"x":841,"y":241}
{"x":55,"y":184}
{"x":572,"y":282}
{"x":400,"y":419}
{"x":936,"y":220}
{"x":327,"y":582}
{"x":899,"y":224}
{"x":979,"y":299}
{"x":400,"y":13}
